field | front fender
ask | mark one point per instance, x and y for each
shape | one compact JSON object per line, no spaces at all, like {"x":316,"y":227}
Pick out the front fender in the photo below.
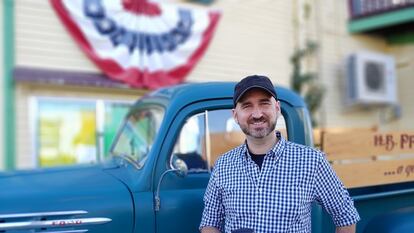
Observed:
{"x":65,"y":199}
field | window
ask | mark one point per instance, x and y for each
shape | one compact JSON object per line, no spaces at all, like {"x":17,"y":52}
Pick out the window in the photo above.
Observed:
{"x":74,"y":131}
{"x":137,"y":135}
{"x":190,"y":145}
{"x":206,"y":136}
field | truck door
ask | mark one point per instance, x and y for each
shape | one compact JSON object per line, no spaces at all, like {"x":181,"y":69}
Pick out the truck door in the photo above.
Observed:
{"x":201,"y":138}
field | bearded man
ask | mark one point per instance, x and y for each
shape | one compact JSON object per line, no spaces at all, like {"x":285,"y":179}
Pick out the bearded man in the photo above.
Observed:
{"x":268,"y":184}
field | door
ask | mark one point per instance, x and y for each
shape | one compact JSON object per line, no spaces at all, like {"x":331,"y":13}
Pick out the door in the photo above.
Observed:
{"x":201,"y":138}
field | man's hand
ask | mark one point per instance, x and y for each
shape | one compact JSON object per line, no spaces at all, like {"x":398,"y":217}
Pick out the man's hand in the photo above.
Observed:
{"x":346,"y":229}
{"x":209,"y":230}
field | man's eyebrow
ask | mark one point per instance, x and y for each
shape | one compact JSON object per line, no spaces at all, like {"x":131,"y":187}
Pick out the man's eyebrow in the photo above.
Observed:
{"x":265,"y":99}
{"x":244,"y":102}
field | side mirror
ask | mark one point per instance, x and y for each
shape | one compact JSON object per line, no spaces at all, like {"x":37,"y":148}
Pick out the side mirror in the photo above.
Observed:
{"x":179,"y":166}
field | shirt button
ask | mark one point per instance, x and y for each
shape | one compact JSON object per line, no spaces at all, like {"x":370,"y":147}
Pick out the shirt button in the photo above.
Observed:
{"x":259,"y":213}
{"x":260,"y":190}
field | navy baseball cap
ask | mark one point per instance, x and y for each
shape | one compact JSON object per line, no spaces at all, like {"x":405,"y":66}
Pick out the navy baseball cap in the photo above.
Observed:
{"x":253,"y":81}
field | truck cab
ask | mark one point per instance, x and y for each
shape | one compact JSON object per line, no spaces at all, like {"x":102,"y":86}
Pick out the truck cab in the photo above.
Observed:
{"x":155,"y":180}
{"x":193,"y":126}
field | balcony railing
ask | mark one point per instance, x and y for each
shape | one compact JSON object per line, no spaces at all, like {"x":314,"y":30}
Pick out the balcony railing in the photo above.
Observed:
{"x":363,"y":8}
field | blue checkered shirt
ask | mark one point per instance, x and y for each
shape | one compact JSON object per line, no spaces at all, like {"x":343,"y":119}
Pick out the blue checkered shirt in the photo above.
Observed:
{"x":278,"y":197}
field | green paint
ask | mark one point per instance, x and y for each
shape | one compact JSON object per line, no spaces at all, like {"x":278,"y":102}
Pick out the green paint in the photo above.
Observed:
{"x":8,"y":90}
{"x":382,"y":20}
{"x":402,"y":38}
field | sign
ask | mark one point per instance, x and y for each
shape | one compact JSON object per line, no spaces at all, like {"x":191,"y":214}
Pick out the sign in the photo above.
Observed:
{"x":356,"y":144}
{"x":355,"y":156}
{"x":142,"y":43}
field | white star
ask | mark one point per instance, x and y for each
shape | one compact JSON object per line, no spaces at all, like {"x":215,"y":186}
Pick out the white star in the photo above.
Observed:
{"x":93,"y":8}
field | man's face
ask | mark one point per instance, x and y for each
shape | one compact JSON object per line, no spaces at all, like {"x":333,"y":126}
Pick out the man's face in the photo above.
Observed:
{"x":256,"y":113}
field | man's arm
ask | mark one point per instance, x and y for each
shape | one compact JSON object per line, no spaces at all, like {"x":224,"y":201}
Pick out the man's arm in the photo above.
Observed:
{"x":346,"y":229}
{"x":213,"y":214}
{"x":209,"y":230}
{"x":333,"y":196}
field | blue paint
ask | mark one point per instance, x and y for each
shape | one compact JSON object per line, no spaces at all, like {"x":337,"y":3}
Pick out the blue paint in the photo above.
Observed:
{"x":117,"y":190}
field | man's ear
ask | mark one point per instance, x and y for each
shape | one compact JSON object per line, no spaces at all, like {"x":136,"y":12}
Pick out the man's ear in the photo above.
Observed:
{"x":277,"y":106}
{"x":235,"y":115}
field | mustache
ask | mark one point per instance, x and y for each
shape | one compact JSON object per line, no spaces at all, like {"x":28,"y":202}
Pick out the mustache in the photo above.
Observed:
{"x":254,"y":120}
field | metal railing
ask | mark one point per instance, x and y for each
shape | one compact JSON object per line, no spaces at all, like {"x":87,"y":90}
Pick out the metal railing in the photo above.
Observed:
{"x":363,"y":8}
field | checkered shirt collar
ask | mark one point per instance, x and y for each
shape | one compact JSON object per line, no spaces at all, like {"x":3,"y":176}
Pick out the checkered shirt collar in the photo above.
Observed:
{"x":274,"y":152}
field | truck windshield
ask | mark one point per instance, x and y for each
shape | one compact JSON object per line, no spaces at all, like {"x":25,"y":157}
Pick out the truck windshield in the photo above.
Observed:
{"x":137,"y":135}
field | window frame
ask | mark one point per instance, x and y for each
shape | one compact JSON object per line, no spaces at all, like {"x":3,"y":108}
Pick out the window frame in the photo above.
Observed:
{"x":207,"y":144}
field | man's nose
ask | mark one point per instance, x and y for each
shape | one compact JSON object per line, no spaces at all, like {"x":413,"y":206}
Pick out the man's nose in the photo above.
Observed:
{"x":257,"y":113}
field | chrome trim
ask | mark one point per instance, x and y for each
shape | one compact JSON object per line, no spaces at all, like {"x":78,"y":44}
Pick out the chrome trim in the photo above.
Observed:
{"x":207,"y":141}
{"x":42,"y":214}
{"x":157,"y":200}
{"x":53,"y":223}
{"x":70,"y":231}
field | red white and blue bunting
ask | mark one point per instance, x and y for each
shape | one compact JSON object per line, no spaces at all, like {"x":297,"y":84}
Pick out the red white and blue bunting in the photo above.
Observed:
{"x":142,"y":43}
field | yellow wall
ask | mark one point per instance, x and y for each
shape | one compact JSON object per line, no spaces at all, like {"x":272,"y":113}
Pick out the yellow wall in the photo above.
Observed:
{"x":252,"y":37}
{"x":405,"y":69}
{"x":330,"y":18}
{"x":336,"y":43}
{"x":43,"y":42}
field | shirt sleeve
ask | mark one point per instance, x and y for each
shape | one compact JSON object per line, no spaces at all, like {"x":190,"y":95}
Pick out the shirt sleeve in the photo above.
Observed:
{"x":213,"y":214}
{"x":332,"y":195}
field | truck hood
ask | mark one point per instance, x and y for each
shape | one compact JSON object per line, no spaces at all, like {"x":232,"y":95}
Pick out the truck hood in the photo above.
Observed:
{"x":85,"y":191}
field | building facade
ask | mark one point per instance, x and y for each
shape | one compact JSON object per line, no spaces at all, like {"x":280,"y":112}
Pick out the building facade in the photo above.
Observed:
{"x":251,"y":37}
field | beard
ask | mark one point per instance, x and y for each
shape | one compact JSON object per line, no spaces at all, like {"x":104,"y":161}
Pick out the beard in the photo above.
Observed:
{"x":261,"y":132}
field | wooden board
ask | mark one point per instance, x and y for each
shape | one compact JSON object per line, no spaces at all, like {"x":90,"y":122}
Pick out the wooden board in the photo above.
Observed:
{"x":356,"y":144}
{"x":375,"y":172}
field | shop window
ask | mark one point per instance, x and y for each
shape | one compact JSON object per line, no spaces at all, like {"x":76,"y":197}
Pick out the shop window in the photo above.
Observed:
{"x":75,"y":131}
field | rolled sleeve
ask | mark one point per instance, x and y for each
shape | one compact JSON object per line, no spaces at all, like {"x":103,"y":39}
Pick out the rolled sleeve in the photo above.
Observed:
{"x":333,"y":196}
{"x":213,"y":214}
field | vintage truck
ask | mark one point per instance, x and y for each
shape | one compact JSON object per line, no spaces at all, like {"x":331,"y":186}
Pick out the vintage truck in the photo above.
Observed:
{"x":159,"y":168}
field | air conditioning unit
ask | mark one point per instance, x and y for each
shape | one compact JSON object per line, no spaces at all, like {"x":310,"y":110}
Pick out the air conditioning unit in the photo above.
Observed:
{"x":370,"y":79}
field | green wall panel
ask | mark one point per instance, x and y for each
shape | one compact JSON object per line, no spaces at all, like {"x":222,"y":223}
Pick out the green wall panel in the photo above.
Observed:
{"x":8,"y":92}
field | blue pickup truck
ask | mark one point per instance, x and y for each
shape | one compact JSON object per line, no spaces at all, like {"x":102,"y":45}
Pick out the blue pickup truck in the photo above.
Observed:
{"x":160,"y":165}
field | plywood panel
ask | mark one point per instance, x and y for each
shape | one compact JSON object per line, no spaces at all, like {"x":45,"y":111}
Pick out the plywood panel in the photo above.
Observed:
{"x":375,"y":172}
{"x":358,"y":156}
{"x":359,"y":144}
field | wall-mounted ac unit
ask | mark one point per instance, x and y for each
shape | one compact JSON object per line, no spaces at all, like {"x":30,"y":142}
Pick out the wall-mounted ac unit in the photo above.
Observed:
{"x":370,"y":79}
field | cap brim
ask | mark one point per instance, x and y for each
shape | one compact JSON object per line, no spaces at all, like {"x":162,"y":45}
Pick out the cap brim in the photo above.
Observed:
{"x":251,"y":87}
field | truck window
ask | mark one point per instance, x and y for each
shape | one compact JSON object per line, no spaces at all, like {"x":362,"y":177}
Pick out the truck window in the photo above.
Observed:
{"x":137,"y":135}
{"x":206,"y":136}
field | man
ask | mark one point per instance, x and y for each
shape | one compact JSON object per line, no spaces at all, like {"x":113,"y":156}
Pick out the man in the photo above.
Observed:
{"x":268,"y":184}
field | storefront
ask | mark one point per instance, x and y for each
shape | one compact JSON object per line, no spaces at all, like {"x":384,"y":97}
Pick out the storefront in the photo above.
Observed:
{"x":46,"y":68}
